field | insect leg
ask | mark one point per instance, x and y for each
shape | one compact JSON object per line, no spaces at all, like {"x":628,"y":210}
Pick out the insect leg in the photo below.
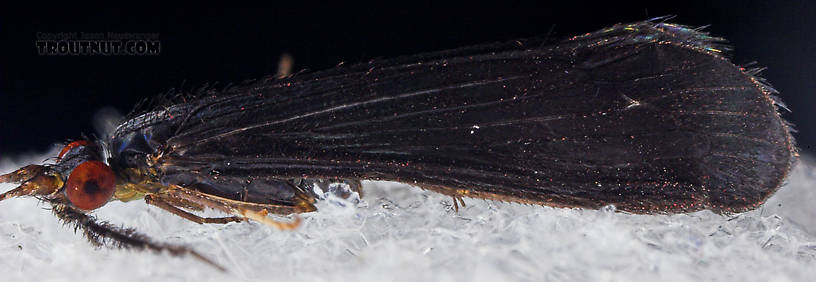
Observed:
{"x":457,"y":195}
{"x":156,"y":201}
{"x":101,"y":233}
{"x":457,"y":200}
{"x":254,"y":211}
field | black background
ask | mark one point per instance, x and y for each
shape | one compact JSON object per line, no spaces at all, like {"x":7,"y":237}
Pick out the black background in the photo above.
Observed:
{"x":48,"y":99}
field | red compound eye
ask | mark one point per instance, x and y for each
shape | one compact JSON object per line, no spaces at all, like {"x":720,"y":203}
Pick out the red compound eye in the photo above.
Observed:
{"x":90,"y":185}
{"x":72,"y":145}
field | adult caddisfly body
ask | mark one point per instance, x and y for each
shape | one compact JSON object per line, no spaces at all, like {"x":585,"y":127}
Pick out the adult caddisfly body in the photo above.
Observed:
{"x":649,"y":117}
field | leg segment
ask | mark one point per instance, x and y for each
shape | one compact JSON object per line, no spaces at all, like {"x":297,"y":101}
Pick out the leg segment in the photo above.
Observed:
{"x":243,"y":210}
{"x":155,"y":201}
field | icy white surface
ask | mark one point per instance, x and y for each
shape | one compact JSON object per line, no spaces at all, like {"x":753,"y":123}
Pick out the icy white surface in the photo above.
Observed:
{"x":401,"y":233}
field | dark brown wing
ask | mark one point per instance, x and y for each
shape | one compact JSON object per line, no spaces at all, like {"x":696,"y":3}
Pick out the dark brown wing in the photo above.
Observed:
{"x":646,"y":116}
